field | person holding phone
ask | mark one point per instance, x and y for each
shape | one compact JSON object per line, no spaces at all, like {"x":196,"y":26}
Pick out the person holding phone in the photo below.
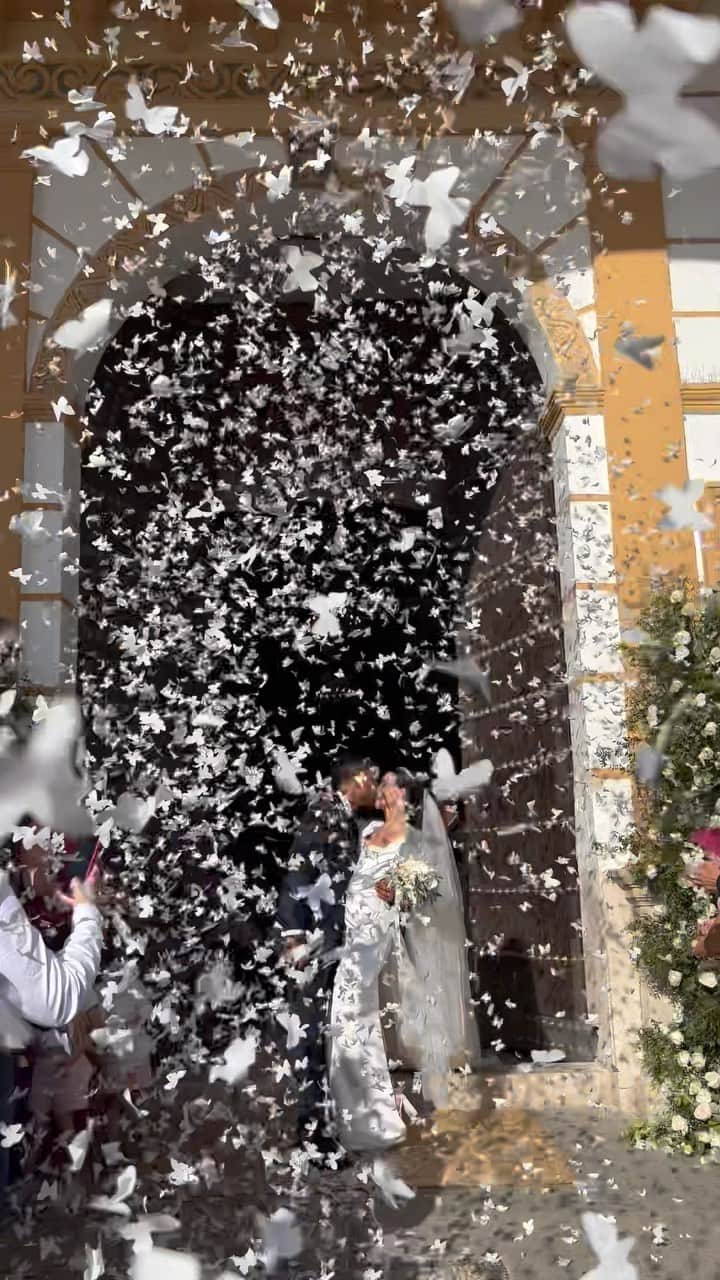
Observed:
{"x":68,"y":928}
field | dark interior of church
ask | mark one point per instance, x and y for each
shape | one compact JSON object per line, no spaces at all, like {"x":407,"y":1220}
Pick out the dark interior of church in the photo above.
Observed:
{"x":315,"y":461}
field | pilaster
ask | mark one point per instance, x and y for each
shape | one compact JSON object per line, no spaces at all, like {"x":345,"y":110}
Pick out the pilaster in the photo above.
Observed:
{"x":17,"y":188}
{"x":643,"y":406}
{"x":644,"y":441}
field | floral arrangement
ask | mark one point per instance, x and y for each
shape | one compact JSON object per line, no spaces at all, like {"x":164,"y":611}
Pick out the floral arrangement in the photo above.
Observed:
{"x":416,"y":884}
{"x":675,"y":724}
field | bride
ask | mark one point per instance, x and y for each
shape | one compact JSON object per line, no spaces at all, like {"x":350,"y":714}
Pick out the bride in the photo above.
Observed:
{"x":436,"y":1025}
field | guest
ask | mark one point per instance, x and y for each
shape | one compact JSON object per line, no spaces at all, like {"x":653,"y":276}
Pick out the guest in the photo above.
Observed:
{"x":39,"y":988}
{"x":63,"y":1063}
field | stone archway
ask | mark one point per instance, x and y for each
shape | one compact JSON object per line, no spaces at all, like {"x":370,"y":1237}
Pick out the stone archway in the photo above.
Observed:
{"x":136,"y":463}
{"x":546,"y":246}
{"x":556,"y":312}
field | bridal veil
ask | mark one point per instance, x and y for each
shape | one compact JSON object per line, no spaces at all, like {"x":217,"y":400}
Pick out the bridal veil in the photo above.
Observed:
{"x":437,"y":1024}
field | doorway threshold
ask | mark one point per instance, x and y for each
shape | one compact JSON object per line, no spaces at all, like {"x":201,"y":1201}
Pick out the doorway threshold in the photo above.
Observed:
{"x":578,"y":1085}
{"x":537,"y":1086}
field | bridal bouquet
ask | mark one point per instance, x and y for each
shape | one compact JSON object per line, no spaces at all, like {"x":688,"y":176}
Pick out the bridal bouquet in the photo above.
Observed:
{"x":415,"y":883}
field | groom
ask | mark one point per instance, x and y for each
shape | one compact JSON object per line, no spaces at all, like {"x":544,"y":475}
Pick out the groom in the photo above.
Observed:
{"x":311,"y":917}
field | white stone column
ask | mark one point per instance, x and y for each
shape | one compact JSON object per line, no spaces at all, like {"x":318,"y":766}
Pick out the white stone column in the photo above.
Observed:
{"x":50,"y":556}
{"x":603,"y":788}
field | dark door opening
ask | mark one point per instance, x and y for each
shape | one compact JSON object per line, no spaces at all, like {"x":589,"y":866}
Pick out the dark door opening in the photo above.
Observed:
{"x":280,"y":513}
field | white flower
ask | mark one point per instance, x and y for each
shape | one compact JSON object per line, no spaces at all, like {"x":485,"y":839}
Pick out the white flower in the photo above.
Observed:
{"x":712,"y":1079}
{"x":677,"y":597}
{"x":703,"y":1111}
{"x":708,"y":979}
{"x":681,"y":652}
{"x":715,"y":1137}
{"x":698,"y":1060}
{"x":651,"y":871}
{"x":710,"y":729}
{"x":700,"y":700}
{"x":652,"y":716}
{"x":681,"y":637}
{"x":688,"y":610}
{"x":675,"y":978}
{"x":676,"y":1037}
{"x":679,"y":1124}
{"x":714,"y":655}
{"x":684,"y":1058}
{"x":675,"y":686}
{"x":702,"y":1135}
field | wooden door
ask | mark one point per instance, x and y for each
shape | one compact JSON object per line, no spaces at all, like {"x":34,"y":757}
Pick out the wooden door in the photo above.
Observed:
{"x":519,"y":847}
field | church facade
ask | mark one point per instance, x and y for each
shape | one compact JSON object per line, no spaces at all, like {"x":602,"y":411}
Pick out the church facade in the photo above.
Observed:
{"x":588,"y":260}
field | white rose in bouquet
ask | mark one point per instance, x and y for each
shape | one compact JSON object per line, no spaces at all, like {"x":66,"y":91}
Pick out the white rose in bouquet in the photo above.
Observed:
{"x":416,"y":884}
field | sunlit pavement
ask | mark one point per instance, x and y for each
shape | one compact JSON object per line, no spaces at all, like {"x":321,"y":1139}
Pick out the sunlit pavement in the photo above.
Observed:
{"x":510,"y":1190}
{"x":531,"y":1217}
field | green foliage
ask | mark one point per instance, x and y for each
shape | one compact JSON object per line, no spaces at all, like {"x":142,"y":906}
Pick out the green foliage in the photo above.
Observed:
{"x":675,"y":708}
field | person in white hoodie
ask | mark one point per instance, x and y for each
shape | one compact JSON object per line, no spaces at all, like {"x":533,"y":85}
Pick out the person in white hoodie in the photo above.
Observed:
{"x":38,"y":987}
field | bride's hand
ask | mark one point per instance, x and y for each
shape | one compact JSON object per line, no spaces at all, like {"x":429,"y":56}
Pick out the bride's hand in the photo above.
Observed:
{"x":385,"y":892}
{"x":393,"y":799}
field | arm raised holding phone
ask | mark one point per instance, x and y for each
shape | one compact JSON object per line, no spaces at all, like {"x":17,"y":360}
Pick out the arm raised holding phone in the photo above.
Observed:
{"x":45,"y":987}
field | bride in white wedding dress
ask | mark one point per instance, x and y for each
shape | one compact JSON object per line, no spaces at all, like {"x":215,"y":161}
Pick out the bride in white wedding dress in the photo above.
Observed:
{"x":436,"y":1025}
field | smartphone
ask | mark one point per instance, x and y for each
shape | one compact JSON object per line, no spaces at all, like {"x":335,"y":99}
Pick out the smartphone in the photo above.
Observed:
{"x":87,"y":853}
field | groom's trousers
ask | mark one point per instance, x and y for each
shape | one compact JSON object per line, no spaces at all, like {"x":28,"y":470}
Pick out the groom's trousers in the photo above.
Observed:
{"x":311,"y":1002}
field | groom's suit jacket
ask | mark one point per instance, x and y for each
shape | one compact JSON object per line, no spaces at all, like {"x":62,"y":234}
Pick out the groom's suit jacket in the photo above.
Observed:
{"x":322,"y":859}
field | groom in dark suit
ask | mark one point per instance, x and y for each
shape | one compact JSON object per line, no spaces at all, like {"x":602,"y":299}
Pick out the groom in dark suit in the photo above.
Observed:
{"x":311,"y":917}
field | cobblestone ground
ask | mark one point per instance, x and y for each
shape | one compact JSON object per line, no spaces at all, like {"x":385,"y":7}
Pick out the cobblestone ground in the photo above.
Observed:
{"x":526,"y":1181}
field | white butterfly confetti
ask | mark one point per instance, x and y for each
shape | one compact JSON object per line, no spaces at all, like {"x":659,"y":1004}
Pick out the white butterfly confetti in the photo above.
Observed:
{"x":156,"y":120}
{"x":446,"y":211}
{"x":285,"y":774}
{"x":281,"y":1238}
{"x":300,"y":268}
{"x":278,"y":185}
{"x":682,"y":503}
{"x":649,"y":65}
{"x":391,"y":1187}
{"x":89,"y":330}
{"x":239,"y":1057}
{"x":62,"y":407}
{"x":612,"y":1252}
{"x":84,"y":99}
{"x":42,"y":779}
{"x":8,"y":294}
{"x":94,"y":1263}
{"x":294,"y":1027}
{"x":449,"y":785}
{"x":116,"y":1204}
{"x":66,"y":155}
{"x":263,"y":12}
{"x":326,"y":608}
{"x":475,"y":20}
{"x":12,"y":1134}
{"x":317,"y":895}
{"x":154,"y":1264}
{"x":642,"y":350}
{"x":467,"y":671}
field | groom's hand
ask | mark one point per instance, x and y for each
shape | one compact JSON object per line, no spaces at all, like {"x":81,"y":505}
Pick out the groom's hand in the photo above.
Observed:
{"x":385,"y":892}
{"x":295,"y":952}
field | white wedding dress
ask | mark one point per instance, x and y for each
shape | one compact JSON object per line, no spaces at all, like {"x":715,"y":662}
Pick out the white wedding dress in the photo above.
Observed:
{"x":436,"y":1025}
{"x":360,"y":1084}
